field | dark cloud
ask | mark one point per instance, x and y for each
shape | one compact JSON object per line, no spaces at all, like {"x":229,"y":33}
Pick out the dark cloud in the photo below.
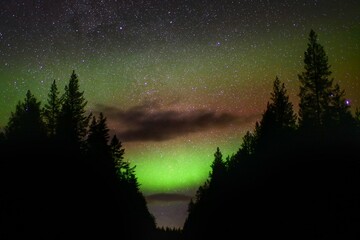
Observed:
{"x":167,"y":197}
{"x":148,"y":122}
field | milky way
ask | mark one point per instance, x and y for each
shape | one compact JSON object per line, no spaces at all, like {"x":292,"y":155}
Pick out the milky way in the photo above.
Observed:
{"x":175,"y":79}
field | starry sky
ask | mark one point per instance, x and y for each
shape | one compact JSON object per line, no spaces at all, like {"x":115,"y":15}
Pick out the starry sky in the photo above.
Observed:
{"x":175,"y":79}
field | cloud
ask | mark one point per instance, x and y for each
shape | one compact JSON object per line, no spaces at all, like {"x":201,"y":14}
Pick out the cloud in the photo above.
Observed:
{"x":167,"y":197}
{"x":148,"y":122}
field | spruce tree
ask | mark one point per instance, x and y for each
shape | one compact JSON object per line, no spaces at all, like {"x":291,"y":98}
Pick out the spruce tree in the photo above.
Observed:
{"x":338,"y":113}
{"x":52,"y":109}
{"x":117,"y":153}
{"x":98,"y":132}
{"x":321,"y":103}
{"x":125,"y":172}
{"x":26,"y":124}
{"x":218,"y":169}
{"x":97,"y":149}
{"x":279,"y":117}
{"x":316,"y":86}
{"x":73,"y":122}
{"x":248,"y":144}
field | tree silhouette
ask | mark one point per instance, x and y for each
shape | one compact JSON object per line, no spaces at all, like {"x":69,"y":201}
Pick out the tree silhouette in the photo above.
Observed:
{"x":279,"y":114}
{"x":52,"y":109}
{"x":23,"y":170}
{"x":26,"y":122}
{"x":316,"y":87}
{"x":205,"y":211}
{"x":77,"y":184}
{"x":338,"y":113}
{"x":117,"y":153}
{"x":98,"y":132}
{"x":309,"y":181}
{"x":248,"y":144}
{"x":278,"y":121}
{"x":218,"y":169}
{"x":98,"y":150}
{"x":122,"y":167}
{"x":73,"y":122}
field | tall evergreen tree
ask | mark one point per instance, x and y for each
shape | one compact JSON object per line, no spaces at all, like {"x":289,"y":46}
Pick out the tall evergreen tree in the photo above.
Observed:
{"x":97,"y":145}
{"x":316,"y":87}
{"x":52,"y":109}
{"x":248,"y":145}
{"x":98,"y":133}
{"x":137,"y":217}
{"x":280,"y":110}
{"x":124,"y":171}
{"x":338,"y":113}
{"x":26,"y":124}
{"x":117,"y":153}
{"x":321,"y":103}
{"x":73,"y":122}
{"x":218,"y":169}
{"x":279,"y":117}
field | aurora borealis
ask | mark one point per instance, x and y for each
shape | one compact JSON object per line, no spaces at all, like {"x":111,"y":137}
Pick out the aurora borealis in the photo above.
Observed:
{"x":175,"y":79}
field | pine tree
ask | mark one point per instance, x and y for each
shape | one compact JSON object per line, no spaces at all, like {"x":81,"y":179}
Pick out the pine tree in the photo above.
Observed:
{"x":52,"y":109}
{"x":98,"y":133}
{"x":279,"y":117}
{"x":73,"y":122}
{"x":248,"y":145}
{"x":316,"y":87}
{"x":280,"y":108}
{"x":218,"y":168}
{"x":26,"y":147}
{"x":98,"y":138}
{"x":98,"y":151}
{"x":321,"y":103}
{"x":117,"y":153}
{"x":125,"y":172}
{"x":26,"y":124}
{"x":338,"y":113}
{"x":123,"y":169}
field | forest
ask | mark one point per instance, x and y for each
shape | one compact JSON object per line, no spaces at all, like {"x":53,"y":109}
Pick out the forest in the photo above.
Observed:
{"x":295,"y":175}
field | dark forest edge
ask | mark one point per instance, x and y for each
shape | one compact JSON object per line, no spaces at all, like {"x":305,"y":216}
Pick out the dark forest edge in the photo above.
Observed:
{"x":294,"y":176}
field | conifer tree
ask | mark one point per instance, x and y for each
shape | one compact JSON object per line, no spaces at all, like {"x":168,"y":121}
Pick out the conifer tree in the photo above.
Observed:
{"x":98,"y":137}
{"x":280,"y":109}
{"x":218,"y":168}
{"x":316,"y":87}
{"x":98,"y":133}
{"x":321,"y":103}
{"x":248,"y":145}
{"x":125,"y":172}
{"x":98,"y":151}
{"x":279,"y":116}
{"x":52,"y":109}
{"x":26,"y":124}
{"x":338,"y":113}
{"x":73,"y":122}
{"x":117,"y":153}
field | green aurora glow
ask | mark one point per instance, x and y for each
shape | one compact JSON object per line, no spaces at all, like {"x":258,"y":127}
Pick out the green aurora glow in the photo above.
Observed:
{"x":231,"y":77}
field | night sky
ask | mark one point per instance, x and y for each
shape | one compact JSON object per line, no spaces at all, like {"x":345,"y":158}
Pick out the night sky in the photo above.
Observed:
{"x":175,"y":79}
